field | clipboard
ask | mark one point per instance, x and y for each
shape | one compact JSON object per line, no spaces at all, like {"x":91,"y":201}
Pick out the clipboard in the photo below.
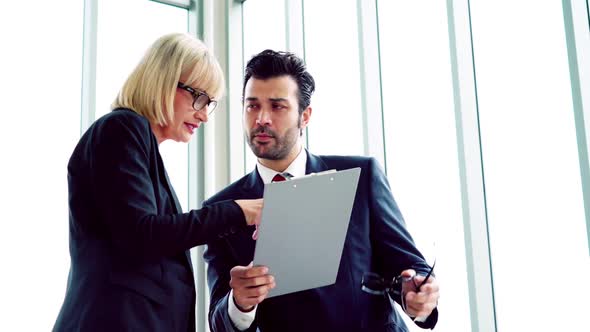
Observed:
{"x":303,"y":227}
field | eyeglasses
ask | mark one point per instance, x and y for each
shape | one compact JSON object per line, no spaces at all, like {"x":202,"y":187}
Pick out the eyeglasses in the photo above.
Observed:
{"x":200,"y":98}
{"x":373,"y":283}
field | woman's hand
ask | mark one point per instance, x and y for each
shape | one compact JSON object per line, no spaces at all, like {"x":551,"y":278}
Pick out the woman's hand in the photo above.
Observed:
{"x":252,"y":209}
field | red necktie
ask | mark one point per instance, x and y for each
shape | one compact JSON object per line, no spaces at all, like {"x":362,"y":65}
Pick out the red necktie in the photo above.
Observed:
{"x":278,"y":178}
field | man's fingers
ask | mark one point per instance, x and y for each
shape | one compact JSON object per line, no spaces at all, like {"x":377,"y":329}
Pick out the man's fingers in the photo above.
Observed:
{"x":251,"y":296}
{"x":408,"y":273}
{"x":254,"y":271}
{"x":418,"y":279}
{"x":430,"y":283}
{"x":422,"y":303}
{"x":248,"y":271}
{"x":429,"y":288}
{"x":253,"y":292}
{"x":422,"y":311}
{"x":251,"y":282}
{"x":416,"y":310}
{"x":420,"y":298}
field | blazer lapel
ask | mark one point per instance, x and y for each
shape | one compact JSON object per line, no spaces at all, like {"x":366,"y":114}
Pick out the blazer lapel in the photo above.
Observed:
{"x":175,"y":204}
{"x":253,"y":186}
{"x":314,"y":164}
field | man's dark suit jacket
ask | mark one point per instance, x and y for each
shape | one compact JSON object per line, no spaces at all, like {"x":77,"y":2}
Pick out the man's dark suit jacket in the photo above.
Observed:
{"x":376,"y":241}
{"x":130,"y":268}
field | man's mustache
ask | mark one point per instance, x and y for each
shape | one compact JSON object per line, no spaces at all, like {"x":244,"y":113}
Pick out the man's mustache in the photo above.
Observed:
{"x":262,"y":130}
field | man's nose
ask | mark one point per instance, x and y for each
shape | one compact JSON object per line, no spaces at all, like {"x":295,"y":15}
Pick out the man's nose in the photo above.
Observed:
{"x":263,"y":118}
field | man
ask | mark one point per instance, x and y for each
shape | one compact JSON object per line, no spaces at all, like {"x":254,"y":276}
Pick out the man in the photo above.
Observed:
{"x":276,"y":97}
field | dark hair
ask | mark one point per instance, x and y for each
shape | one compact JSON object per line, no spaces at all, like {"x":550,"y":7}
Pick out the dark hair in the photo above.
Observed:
{"x":269,"y":64}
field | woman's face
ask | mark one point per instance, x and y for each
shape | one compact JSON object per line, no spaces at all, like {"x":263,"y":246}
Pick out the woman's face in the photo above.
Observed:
{"x":185,"y":118}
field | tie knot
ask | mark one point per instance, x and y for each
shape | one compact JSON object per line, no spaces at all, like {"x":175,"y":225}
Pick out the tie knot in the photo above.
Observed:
{"x":281,"y":177}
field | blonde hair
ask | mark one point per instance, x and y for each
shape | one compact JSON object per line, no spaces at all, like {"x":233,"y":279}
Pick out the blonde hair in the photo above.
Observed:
{"x":151,"y":87}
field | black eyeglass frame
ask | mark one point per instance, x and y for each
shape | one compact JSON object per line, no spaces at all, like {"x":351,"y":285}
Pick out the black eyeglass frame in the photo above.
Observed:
{"x":394,"y":287}
{"x":197,"y":94}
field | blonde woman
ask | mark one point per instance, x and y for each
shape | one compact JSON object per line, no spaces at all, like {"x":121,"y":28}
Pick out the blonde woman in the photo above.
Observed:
{"x":129,"y":240}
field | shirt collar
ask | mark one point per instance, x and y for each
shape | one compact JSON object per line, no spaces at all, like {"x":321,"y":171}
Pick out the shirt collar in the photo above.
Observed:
{"x":296,"y":168}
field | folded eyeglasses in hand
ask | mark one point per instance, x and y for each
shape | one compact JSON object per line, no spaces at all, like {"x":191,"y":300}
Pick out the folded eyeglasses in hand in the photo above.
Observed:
{"x":373,"y":283}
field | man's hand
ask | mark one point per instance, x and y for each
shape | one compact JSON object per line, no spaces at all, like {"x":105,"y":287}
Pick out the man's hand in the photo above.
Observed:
{"x":421,"y":302}
{"x":251,"y":285}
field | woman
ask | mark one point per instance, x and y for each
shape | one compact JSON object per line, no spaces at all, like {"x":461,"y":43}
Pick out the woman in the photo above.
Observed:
{"x":129,"y":240}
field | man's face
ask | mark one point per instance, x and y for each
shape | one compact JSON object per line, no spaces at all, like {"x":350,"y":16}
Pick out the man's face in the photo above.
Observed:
{"x":272,"y":123}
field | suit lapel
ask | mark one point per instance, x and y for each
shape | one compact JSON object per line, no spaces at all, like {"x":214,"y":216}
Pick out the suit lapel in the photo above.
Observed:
{"x":314,"y":164}
{"x":176,"y":204}
{"x":177,"y":209}
{"x":253,"y":185}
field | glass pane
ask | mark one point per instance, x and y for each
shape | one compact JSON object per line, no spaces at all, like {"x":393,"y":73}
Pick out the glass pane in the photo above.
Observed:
{"x":40,"y":82}
{"x":533,"y":188}
{"x":336,"y":122}
{"x":261,"y":34}
{"x":421,"y":144}
{"x":125,"y":30}
{"x":267,"y":33}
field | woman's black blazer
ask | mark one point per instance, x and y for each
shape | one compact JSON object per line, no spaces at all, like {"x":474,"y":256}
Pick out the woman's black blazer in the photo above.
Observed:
{"x":129,"y":240}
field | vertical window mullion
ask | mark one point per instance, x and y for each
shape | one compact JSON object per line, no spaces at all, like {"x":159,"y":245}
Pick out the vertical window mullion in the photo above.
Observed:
{"x":89,"y":65}
{"x":234,"y":74}
{"x":370,"y":79}
{"x":196,"y":188}
{"x":470,"y":164}
{"x":578,"y":45}
{"x":295,"y":36}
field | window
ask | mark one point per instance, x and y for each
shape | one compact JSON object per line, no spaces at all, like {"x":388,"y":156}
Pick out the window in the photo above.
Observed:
{"x":421,"y":144}
{"x":530,"y":161}
{"x":331,"y":53}
{"x":40,"y":70}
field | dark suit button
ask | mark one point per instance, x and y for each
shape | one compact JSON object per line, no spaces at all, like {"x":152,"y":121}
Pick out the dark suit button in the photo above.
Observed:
{"x":220,"y":236}
{"x":232,"y":230}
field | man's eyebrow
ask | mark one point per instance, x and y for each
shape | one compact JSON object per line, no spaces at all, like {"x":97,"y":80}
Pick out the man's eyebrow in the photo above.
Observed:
{"x":278,"y":99}
{"x":273,"y":100}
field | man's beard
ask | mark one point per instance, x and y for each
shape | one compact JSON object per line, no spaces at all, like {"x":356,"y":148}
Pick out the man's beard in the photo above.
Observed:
{"x":281,"y":147}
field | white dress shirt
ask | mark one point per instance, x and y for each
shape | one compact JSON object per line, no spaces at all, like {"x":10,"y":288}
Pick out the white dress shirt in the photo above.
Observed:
{"x":243,"y":320}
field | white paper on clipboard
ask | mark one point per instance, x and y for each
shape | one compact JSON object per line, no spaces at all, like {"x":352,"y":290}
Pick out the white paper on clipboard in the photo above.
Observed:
{"x":303,"y":227}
